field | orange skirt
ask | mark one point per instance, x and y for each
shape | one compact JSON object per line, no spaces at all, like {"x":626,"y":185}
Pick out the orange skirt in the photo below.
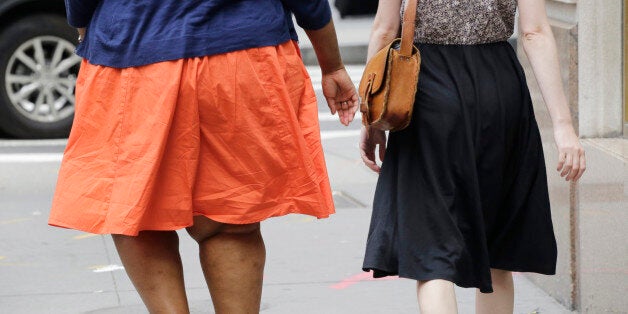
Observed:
{"x":233,"y":137}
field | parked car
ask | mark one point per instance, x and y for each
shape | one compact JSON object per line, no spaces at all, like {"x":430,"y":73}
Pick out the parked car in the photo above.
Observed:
{"x":38,"y":69}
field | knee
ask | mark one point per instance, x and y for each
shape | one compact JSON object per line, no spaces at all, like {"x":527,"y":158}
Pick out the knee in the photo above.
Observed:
{"x":501,"y":277}
{"x":240,"y":229}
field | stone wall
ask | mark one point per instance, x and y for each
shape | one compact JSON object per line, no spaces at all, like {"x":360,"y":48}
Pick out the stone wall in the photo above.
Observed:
{"x":600,"y":33}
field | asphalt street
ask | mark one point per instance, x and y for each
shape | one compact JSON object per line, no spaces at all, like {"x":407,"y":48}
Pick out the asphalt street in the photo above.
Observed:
{"x":313,"y":266}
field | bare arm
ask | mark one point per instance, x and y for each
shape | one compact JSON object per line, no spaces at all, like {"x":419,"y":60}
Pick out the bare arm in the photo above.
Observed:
{"x":540,"y":47}
{"x":385,"y":29}
{"x":325,"y":45}
{"x":337,"y":86}
{"x":386,"y":25}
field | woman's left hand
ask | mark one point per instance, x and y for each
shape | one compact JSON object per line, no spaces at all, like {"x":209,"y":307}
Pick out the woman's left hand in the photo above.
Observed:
{"x":571,"y":159}
{"x":340,"y":94}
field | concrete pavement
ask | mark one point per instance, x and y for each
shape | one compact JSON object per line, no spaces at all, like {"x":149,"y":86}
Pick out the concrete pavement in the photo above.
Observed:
{"x":313,"y":265}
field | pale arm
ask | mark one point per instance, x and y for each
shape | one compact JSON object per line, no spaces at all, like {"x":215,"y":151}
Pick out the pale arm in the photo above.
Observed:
{"x":385,"y":29}
{"x":385,"y":26}
{"x":540,"y":47}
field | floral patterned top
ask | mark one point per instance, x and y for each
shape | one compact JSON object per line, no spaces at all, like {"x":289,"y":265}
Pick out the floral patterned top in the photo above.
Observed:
{"x":464,"y":22}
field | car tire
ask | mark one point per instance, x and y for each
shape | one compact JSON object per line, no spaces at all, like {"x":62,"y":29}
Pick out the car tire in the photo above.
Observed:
{"x":36,"y":89}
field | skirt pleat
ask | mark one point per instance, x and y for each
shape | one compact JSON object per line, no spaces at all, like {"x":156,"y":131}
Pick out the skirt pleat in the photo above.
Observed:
{"x":233,"y":137}
{"x":463,"y":189}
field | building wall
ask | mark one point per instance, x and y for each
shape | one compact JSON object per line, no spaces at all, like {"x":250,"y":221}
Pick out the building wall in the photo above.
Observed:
{"x":600,"y":48}
{"x":592,"y":272}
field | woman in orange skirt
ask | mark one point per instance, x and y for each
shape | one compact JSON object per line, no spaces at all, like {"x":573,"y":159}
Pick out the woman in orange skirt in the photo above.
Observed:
{"x":197,"y":115}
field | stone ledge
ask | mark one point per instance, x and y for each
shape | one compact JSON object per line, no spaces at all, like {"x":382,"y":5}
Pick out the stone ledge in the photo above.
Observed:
{"x":616,"y":147}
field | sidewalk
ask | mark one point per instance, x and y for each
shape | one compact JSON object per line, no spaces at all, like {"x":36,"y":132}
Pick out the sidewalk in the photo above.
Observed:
{"x":313,"y":266}
{"x":349,"y":177}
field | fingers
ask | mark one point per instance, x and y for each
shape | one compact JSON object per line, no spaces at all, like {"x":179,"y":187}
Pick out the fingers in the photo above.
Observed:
{"x":344,"y":105}
{"x":561,"y":160}
{"x":346,"y":111}
{"x":575,"y":168}
{"x":572,"y":164}
{"x":368,"y":157}
{"x":583,"y":166}
{"x":341,"y":95}
{"x":567,"y":166}
{"x":571,"y":159}
{"x":352,"y":112}
{"x":579,"y":166}
{"x":369,"y":161}
{"x":344,"y":117}
{"x":367,"y":149}
{"x":331,"y":103}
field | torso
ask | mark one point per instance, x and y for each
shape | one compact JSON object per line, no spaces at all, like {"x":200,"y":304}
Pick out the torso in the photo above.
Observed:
{"x":464,"y":22}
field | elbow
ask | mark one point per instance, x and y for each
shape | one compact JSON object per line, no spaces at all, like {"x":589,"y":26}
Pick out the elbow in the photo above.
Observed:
{"x":384,"y":32}
{"x":535,"y":34}
{"x":383,"y":37}
{"x":530,"y":37}
{"x":529,"y":40}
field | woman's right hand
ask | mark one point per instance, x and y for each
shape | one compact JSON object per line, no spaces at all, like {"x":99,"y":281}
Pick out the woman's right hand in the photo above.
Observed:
{"x":370,"y":139}
{"x":571,"y":159}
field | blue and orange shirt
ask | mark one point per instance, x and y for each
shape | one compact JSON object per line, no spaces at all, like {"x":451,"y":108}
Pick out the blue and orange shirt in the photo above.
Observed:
{"x":124,"y":33}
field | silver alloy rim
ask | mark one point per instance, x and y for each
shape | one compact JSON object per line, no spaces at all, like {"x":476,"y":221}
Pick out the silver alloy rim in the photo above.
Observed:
{"x":40,"y":78}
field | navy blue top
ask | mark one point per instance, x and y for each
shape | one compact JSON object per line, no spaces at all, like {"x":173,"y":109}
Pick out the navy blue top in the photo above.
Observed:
{"x":125,"y":33}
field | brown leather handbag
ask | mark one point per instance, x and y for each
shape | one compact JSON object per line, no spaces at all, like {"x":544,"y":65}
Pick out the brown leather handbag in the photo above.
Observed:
{"x":389,"y":82}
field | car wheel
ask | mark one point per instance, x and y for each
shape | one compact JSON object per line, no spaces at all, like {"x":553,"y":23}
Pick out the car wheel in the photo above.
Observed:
{"x":38,"y":70}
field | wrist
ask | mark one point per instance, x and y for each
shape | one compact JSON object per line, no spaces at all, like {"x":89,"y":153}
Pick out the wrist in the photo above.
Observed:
{"x":562,"y":123}
{"x":328,"y":69}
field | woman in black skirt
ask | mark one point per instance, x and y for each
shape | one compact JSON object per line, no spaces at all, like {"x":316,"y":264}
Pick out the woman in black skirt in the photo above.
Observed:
{"x":462,"y":192}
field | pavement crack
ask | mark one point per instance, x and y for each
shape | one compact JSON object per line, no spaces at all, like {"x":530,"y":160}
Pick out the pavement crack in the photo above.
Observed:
{"x":349,"y":198}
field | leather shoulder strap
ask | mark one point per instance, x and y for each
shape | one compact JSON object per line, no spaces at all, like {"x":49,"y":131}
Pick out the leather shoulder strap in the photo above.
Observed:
{"x":408,"y":27}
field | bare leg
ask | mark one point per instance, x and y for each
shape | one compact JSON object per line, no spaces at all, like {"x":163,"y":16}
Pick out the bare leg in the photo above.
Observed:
{"x":232,"y":257}
{"x":502,"y":300}
{"x":437,"y":297}
{"x":153,"y":263}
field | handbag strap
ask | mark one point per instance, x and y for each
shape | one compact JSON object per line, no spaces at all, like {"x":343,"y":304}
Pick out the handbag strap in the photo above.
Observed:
{"x":408,"y":28}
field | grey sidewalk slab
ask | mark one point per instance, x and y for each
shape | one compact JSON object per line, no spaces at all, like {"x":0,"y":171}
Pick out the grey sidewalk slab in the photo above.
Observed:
{"x":314,"y":266}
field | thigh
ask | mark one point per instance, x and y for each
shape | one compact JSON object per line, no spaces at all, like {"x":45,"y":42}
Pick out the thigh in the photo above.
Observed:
{"x":205,"y":228}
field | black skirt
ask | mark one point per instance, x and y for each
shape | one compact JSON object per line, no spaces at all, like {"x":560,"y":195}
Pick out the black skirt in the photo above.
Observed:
{"x":463,"y":189}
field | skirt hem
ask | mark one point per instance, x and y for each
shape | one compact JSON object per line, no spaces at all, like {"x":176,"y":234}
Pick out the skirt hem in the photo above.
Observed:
{"x":379,"y":273}
{"x":135,"y":231}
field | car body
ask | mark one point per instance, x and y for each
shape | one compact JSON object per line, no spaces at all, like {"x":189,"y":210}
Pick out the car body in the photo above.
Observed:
{"x":38,"y":69}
